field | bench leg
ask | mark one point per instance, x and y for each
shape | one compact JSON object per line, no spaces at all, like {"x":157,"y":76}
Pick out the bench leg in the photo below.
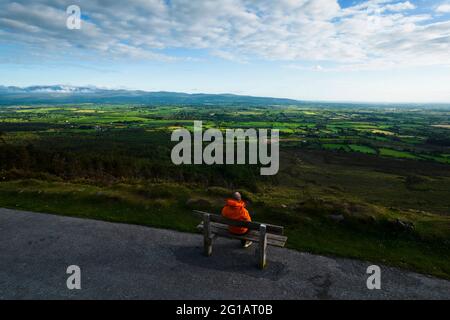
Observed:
{"x":207,"y":238}
{"x":262,"y":246}
{"x":207,"y":244}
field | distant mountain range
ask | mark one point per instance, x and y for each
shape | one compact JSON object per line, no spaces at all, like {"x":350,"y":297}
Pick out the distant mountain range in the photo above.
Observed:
{"x":62,"y":94}
{"x":71,"y":94}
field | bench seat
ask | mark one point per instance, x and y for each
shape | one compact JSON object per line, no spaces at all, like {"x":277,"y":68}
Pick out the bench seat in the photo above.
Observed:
{"x":221,"y":230}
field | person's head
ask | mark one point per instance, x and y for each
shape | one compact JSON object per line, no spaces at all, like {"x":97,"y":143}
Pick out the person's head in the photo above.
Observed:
{"x":236,"y":196}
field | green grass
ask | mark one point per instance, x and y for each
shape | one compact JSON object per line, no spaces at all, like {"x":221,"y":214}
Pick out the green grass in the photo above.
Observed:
{"x":336,"y":146}
{"x":348,"y":147}
{"x":397,"y":154}
{"x":84,"y":201}
{"x":362,"y":149}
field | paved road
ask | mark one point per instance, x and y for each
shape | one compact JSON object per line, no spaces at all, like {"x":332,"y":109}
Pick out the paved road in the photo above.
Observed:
{"x":133,"y":262}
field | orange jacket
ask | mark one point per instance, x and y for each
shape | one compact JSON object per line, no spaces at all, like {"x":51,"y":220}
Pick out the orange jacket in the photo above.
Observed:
{"x":236,"y":210}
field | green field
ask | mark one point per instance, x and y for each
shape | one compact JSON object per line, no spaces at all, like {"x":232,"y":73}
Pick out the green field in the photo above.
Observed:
{"x":385,"y":173}
{"x":397,"y":154}
{"x":362,"y":149}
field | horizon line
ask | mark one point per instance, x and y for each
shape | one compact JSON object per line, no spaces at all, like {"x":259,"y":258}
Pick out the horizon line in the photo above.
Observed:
{"x":335,"y":101}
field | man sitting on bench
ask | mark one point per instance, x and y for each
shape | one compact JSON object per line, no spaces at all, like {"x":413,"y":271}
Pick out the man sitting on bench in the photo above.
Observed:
{"x":235,"y":210}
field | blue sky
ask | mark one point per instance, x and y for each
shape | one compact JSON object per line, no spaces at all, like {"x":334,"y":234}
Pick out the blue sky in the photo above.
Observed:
{"x":375,"y":50}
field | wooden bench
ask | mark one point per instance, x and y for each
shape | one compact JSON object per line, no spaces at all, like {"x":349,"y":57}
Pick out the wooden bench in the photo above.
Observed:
{"x":214,"y":226}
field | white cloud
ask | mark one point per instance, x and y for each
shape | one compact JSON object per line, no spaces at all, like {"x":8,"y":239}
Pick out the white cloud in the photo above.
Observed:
{"x":401,"y":6}
{"x":375,"y":33}
{"x":443,"y":8}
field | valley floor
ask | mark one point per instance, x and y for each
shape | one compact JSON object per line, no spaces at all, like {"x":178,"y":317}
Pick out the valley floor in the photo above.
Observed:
{"x":121,"y":261}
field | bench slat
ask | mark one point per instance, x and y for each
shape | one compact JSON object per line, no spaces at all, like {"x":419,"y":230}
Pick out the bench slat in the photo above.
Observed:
{"x":252,"y":225}
{"x":248,"y":236}
{"x":222,"y":230}
{"x":253,"y":232}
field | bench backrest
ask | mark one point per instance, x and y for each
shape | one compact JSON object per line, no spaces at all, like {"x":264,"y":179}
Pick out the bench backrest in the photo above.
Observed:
{"x":253,"y":225}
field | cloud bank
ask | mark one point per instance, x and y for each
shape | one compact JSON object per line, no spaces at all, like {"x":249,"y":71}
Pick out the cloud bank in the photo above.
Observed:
{"x":370,"y":34}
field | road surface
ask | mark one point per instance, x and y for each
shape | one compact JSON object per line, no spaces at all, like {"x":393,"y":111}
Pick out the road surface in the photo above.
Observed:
{"x":120,"y":261}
